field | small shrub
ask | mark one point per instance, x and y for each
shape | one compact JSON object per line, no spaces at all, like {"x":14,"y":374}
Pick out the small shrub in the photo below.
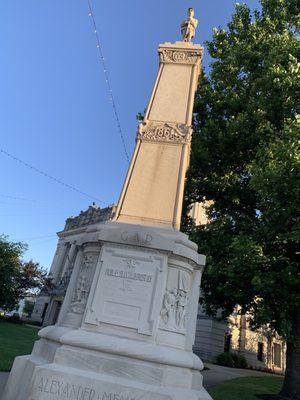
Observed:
{"x":232,"y":360}
{"x":14,"y":319}
{"x":239,"y":361}
{"x":225,"y":359}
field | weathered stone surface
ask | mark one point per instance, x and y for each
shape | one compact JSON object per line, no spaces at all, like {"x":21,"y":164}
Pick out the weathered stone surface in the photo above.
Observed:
{"x":153,"y":191}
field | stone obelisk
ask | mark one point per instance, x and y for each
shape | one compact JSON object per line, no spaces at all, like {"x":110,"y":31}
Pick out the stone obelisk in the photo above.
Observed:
{"x":153,"y":191}
{"x":127,"y":324}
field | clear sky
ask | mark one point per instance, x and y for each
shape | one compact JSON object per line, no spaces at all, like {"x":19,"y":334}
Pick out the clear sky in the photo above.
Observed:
{"x":55,"y":111}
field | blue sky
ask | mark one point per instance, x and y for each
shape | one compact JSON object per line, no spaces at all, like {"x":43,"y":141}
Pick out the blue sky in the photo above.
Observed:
{"x":55,"y":111}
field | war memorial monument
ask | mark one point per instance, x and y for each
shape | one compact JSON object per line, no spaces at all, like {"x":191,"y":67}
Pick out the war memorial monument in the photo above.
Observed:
{"x":127,"y":323}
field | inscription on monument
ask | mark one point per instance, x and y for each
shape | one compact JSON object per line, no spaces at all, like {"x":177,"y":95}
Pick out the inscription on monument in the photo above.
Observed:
{"x":136,"y":238}
{"x":128,"y":275}
{"x":125,"y":289}
{"x":59,"y":389}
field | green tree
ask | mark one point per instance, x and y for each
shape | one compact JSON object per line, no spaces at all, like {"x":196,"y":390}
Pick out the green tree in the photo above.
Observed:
{"x":17,"y":278}
{"x":245,"y":159}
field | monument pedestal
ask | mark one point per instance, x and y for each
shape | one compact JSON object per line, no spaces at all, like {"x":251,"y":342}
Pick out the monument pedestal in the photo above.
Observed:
{"x":127,"y":324}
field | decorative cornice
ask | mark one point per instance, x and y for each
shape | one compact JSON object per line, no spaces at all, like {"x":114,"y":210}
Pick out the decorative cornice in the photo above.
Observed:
{"x":91,"y":216}
{"x":164,"y":132}
{"x":180,"y":56}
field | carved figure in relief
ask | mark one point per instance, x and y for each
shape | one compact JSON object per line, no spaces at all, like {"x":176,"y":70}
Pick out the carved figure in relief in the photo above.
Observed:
{"x":181,"y":309}
{"x":81,"y":289}
{"x":188,"y":26}
{"x":168,"y":312}
{"x":80,"y":295}
{"x":174,"y":309}
{"x":175,"y":304}
{"x":88,"y":260}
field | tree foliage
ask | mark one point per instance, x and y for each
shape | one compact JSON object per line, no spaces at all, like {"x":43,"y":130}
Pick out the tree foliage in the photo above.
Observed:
{"x":17,"y":278}
{"x":245,"y":160}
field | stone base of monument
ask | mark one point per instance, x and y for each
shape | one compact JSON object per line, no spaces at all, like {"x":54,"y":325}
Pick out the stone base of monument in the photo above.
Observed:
{"x":127,"y":325}
{"x":82,"y":374}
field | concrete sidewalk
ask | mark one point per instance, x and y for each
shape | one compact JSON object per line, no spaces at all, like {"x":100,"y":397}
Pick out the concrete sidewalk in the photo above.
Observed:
{"x":217,"y":374}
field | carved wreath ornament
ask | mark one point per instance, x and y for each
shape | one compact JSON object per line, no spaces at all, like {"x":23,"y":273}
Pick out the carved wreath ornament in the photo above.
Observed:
{"x":175,"y":56}
{"x":164,"y":132}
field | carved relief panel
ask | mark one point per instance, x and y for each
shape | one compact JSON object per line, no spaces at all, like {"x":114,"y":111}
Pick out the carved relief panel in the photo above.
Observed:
{"x":180,"y":56}
{"x":84,"y":281}
{"x":164,"y":132}
{"x":174,"y":311}
{"x":128,"y":290}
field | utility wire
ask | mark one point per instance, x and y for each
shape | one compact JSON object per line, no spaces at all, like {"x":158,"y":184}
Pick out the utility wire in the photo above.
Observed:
{"x":33,"y":214}
{"x":35,"y":238}
{"x":106,"y":75}
{"x":31,"y":245}
{"x":50,"y":176}
{"x":17,"y":198}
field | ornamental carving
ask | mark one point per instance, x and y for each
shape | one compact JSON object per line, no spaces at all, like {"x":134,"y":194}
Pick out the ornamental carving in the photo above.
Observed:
{"x":84,"y":282}
{"x":80,"y":295}
{"x":179,"y":56}
{"x":92,"y":215}
{"x":174,"y":311}
{"x":165,"y":132}
{"x":89,"y":260}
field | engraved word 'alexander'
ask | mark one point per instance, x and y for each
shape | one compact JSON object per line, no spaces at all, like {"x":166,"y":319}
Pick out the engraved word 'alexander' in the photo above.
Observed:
{"x":63,"y":390}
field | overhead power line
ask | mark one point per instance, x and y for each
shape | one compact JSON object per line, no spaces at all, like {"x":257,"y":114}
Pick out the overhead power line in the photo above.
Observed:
{"x":6,"y":196}
{"x":39,"y":171}
{"x":107,"y":80}
{"x":36,"y":238}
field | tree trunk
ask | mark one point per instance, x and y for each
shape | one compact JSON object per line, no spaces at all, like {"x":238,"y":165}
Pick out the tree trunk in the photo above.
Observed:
{"x":291,"y":384}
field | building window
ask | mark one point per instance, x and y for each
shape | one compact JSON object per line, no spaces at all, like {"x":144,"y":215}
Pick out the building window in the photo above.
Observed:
{"x":227,"y":342}
{"x":260,"y":351}
{"x":277,"y":355}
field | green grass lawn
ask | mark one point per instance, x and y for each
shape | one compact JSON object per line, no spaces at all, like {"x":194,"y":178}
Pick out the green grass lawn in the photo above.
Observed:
{"x":246,"y":388}
{"x":15,"y":340}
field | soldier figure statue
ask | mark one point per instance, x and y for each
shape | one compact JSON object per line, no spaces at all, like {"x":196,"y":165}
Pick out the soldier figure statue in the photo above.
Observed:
{"x":188,"y":26}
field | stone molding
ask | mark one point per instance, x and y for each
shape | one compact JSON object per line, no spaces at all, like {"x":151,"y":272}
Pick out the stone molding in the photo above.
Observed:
{"x":124,"y":347}
{"x":180,"y":56}
{"x":164,"y":132}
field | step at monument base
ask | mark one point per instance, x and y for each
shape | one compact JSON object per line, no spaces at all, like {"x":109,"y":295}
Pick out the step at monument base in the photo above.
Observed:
{"x":78,"y":374}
